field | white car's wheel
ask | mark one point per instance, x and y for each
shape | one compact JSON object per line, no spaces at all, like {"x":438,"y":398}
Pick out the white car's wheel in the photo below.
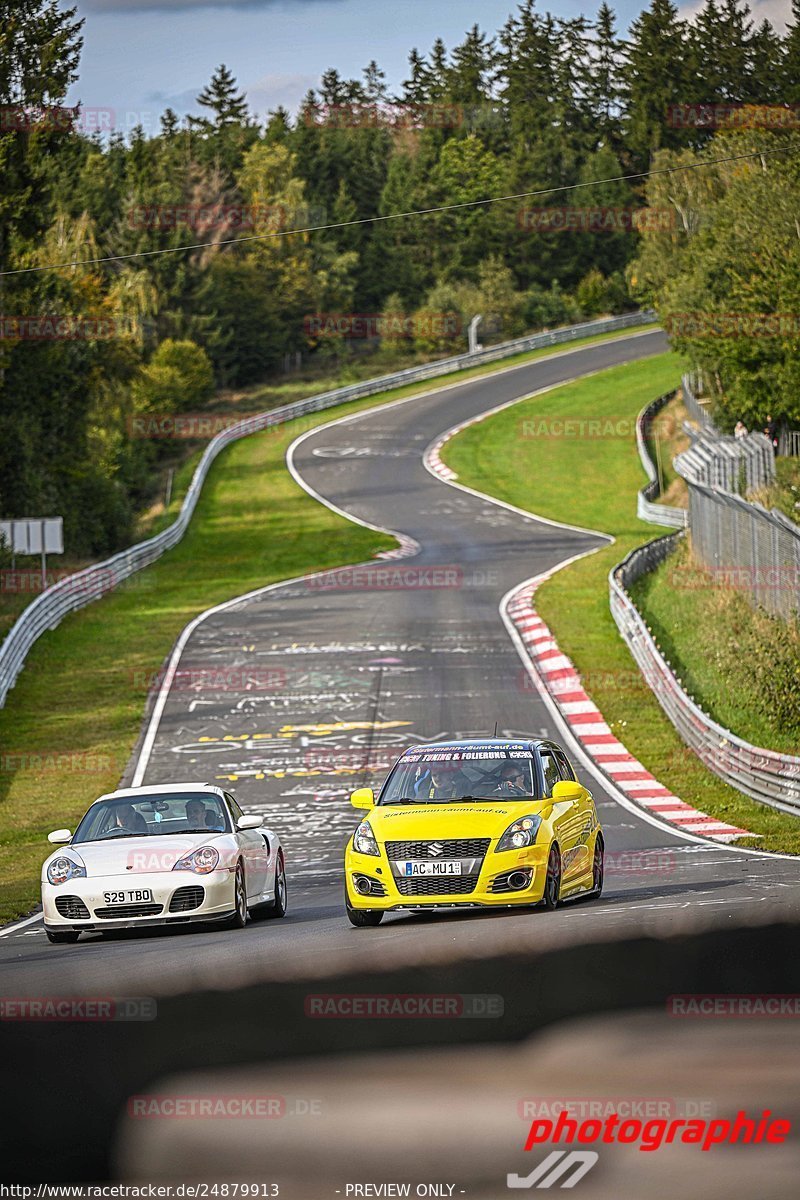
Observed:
{"x":239,"y":918}
{"x":278,"y":906}
{"x":62,"y":936}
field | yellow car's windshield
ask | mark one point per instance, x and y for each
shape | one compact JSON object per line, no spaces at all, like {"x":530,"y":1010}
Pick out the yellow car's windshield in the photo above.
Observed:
{"x":461,"y":773}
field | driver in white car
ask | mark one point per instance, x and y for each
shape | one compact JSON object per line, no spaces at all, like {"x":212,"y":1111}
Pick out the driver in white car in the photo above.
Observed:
{"x":127,"y":818}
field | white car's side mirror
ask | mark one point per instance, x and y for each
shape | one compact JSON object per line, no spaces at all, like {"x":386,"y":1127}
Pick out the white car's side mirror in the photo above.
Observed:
{"x":249,"y":822}
{"x":59,"y":837}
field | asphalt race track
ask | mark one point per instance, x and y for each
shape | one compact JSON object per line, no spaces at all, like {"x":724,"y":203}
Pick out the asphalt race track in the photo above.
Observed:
{"x":344,"y":674}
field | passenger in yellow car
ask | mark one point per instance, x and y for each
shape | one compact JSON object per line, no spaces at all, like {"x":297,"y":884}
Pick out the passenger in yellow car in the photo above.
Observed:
{"x":435,"y":784}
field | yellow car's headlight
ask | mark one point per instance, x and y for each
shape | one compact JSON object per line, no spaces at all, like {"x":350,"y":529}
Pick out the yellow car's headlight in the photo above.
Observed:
{"x":521,"y":833}
{"x":364,"y":840}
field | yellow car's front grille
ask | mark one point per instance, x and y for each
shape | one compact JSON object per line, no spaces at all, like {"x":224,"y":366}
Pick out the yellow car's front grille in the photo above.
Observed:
{"x":438,"y":848}
{"x":436,"y":885}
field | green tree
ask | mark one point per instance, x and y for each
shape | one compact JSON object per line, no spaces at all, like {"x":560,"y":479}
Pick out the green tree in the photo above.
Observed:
{"x":177,"y":379}
{"x":659,"y":75}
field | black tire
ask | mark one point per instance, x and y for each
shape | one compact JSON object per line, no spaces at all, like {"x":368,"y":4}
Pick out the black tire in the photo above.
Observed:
{"x":239,"y":918}
{"x":598,"y":869}
{"x":62,"y":936}
{"x":362,"y":918}
{"x":552,"y":886}
{"x":280,"y":903}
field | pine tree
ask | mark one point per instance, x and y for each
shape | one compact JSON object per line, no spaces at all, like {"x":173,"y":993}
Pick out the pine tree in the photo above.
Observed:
{"x":374,"y":83}
{"x":469,"y":77}
{"x":604,"y":82}
{"x":417,"y":88}
{"x":722,"y":36}
{"x":659,"y":75}
{"x":228,"y":106}
{"x":790,"y":74}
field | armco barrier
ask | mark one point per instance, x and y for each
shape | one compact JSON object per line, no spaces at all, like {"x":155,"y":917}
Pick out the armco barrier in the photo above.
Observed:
{"x":50,"y":608}
{"x":646,"y":509}
{"x":764,"y":775}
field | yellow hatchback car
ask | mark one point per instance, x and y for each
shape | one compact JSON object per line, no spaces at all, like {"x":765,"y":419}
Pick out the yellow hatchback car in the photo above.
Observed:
{"x":473,"y":823}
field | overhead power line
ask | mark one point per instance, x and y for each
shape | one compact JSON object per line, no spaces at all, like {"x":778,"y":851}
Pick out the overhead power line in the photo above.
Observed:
{"x":416,"y":212}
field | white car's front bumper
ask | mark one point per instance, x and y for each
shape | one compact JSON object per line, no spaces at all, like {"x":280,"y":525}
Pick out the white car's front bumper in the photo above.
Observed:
{"x":84,"y":904}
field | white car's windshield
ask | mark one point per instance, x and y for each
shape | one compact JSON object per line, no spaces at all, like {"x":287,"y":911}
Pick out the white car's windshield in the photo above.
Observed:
{"x":153,"y":815}
{"x":462,"y":773}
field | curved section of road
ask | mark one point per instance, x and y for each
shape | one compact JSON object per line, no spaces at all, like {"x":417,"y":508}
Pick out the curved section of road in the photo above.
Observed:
{"x":347,"y":668}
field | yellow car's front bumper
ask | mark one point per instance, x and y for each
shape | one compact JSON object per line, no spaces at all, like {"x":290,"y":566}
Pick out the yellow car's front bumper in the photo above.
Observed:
{"x":492,"y":888}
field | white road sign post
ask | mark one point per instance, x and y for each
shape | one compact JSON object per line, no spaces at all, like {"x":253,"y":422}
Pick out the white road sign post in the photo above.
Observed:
{"x":34,"y":535}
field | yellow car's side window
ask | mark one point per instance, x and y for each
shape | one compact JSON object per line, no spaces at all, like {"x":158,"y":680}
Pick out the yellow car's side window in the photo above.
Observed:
{"x":551,"y":772}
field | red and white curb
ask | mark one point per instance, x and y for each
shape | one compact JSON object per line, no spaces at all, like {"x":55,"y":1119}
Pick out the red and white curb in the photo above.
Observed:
{"x":407,"y":548}
{"x":587,"y":725}
{"x":433,"y":459}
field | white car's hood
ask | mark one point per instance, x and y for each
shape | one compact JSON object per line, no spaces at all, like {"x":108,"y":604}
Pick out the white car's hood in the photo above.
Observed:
{"x":119,"y":856}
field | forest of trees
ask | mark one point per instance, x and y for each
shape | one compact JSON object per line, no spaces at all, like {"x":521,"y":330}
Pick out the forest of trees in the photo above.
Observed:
{"x":544,"y":103}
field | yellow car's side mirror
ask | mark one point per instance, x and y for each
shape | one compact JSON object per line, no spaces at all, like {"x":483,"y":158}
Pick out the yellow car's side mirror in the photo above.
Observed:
{"x":567,"y":789}
{"x":363,"y":798}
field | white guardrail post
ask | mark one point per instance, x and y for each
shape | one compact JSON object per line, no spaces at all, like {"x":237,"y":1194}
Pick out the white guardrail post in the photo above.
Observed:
{"x":80,"y":589}
{"x":646,"y":510}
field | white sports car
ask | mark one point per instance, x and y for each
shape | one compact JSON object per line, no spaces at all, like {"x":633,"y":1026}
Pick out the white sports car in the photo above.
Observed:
{"x":162,"y":855}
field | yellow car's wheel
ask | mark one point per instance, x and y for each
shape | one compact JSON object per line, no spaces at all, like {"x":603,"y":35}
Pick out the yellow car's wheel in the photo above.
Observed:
{"x":362,"y":918}
{"x":552,"y":886}
{"x":597,"y":868}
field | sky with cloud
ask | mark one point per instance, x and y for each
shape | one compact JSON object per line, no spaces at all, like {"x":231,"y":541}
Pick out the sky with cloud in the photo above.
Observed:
{"x":142,"y":55}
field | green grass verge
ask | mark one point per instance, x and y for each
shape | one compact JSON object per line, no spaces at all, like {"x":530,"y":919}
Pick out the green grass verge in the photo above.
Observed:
{"x":593,"y":482}
{"x":741,"y":665}
{"x":70,"y":724}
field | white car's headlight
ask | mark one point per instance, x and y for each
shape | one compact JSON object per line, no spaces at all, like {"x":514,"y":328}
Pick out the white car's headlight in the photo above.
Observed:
{"x":63,"y":868}
{"x":201,"y":861}
{"x":521,"y":834}
{"x":364,"y":839}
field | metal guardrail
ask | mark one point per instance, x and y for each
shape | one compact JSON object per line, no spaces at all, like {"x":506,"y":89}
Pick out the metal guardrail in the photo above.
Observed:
{"x":764,"y":775}
{"x":697,"y":409}
{"x":646,"y":510}
{"x":745,"y":545}
{"x":748,"y":547}
{"x":733,"y":464}
{"x":80,"y":589}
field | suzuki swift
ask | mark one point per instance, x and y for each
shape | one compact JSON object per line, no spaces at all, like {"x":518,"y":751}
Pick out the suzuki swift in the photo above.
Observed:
{"x":471,"y":823}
